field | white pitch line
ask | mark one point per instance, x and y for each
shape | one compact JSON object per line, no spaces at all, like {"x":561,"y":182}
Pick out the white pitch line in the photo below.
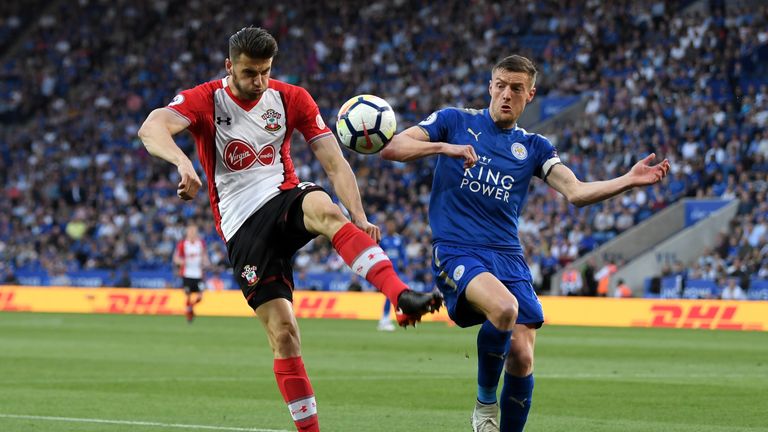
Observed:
{"x":136,"y":423}
{"x":574,"y":376}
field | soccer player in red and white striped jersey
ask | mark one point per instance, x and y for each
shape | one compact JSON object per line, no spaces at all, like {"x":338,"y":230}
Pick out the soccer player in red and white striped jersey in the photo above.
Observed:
{"x":191,"y":257}
{"x":242,"y":126}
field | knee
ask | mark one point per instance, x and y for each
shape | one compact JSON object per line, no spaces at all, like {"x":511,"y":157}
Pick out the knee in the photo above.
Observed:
{"x":285,"y":339}
{"x":520,"y":361}
{"x":330,"y":212}
{"x":504,"y":316}
{"x":325,"y":219}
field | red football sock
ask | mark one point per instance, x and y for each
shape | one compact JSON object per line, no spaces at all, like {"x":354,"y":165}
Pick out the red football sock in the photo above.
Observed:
{"x":190,"y":311}
{"x":297,"y":393}
{"x":366,"y":258}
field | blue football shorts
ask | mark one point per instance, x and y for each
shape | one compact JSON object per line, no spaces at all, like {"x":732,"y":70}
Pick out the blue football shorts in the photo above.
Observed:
{"x":454,"y":267}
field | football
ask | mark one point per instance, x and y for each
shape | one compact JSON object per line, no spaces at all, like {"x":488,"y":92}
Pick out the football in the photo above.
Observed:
{"x":365,"y":124}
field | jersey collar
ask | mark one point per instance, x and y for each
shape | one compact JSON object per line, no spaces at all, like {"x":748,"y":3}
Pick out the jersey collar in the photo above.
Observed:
{"x":244,"y":104}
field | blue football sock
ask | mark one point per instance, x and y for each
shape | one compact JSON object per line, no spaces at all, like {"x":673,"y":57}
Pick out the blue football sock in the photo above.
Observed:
{"x":492,"y":348}
{"x":515,"y":402}
{"x":385,"y":312}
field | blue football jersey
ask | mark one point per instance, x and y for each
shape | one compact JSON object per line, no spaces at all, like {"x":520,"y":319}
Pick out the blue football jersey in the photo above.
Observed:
{"x":480,"y":206}
{"x":394,"y":246}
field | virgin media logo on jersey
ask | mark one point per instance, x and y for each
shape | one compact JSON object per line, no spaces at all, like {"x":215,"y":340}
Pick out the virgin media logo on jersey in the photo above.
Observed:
{"x":484,"y":180}
{"x":266,"y":156}
{"x":239,"y":155}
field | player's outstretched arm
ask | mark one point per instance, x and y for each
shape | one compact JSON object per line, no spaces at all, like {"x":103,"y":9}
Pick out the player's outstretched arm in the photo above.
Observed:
{"x":413,"y":143}
{"x":580,"y":194}
{"x":340,"y":174}
{"x":157,"y":135}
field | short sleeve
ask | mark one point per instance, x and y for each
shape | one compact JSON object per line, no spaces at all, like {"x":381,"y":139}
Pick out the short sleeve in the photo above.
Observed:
{"x":438,"y":125}
{"x":547,"y":157}
{"x":308,"y":120}
{"x":194,"y":105}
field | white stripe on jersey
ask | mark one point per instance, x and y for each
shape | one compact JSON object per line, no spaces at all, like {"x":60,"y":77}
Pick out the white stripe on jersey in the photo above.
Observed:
{"x":320,"y":136}
{"x":193,"y":259}
{"x":249,"y":167}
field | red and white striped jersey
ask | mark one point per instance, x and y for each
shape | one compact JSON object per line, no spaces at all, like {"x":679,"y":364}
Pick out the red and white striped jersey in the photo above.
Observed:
{"x":244,"y":146}
{"x":191,"y":252}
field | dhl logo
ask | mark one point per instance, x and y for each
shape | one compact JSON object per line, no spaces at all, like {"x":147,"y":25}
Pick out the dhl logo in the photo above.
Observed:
{"x":712,"y":316}
{"x":7,"y":302}
{"x":138,"y":303}
{"x":319,"y":307}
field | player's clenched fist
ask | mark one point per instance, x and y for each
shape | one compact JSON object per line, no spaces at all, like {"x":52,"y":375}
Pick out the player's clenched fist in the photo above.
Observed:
{"x":466,"y":152}
{"x":190,"y":183}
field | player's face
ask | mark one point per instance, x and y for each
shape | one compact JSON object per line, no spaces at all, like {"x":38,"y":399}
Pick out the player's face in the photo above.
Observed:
{"x":192,"y":232}
{"x":250,"y":76}
{"x":510,"y":92}
{"x":390,"y":225}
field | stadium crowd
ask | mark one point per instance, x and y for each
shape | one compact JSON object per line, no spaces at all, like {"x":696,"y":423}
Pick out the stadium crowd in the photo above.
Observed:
{"x":80,"y":192}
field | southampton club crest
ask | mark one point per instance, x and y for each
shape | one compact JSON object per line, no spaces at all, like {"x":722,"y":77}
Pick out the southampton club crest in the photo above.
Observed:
{"x":250,"y":275}
{"x":271,"y":117}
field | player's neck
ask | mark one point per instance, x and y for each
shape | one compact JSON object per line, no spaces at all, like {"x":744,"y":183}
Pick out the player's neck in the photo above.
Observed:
{"x":502,"y":125}
{"x":507,"y":126}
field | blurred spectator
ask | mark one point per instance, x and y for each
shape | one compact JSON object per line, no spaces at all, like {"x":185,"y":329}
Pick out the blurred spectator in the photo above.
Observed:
{"x":603,"y":277}
{"x":354,"y":283}
{"x":588,"y":275}
{"x":214,"y":282}
{"x":732,"y":291}
{"x":572,"y":283}
{"x":623,"y":290}
{"x":7,"y":276}
{"x":123,"y":280}
{"x":693,"y":87}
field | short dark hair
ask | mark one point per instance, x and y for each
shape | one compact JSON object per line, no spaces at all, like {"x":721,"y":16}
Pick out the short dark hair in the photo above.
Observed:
{"x":255,"y":42}
{"x":517,"y":63}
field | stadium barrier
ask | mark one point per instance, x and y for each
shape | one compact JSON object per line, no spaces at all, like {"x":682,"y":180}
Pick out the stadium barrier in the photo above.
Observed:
{"x":578,"y":311}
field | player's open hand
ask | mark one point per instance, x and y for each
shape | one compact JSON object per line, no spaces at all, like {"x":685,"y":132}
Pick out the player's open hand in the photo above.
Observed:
{"x":369,"y":228}
{"x":190,"y":183}
{"x":643,"y":173}
{"x":466,"y":152}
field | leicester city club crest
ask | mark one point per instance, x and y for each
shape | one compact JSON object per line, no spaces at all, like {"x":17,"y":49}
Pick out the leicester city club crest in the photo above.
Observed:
{"x":271,"y":117}
{"x":458,"y":273}
{"x":519,"y":151}
{"x":250,"y":275}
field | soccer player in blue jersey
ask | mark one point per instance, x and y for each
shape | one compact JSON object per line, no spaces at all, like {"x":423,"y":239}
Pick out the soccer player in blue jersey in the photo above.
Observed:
{"x":393,"y":244}
{"x":484,"y":167}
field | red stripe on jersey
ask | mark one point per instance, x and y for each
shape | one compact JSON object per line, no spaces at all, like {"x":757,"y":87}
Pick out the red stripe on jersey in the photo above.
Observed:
{"x":197,"y":106}
{"x":209,"y":166}
{"x":180,"y":249}
{"x":206,"y":150}
{"x":289,"y":173}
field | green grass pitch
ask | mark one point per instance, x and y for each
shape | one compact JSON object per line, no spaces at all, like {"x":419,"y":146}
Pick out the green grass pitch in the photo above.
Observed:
{"x":61,"y":372}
